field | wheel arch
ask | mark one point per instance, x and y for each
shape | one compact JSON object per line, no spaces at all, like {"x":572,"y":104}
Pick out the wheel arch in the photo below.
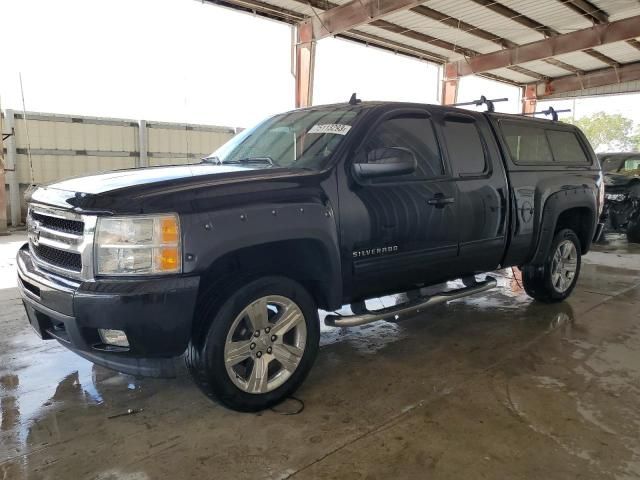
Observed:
{"x":306,"y":260}
{"x":571,"y":208}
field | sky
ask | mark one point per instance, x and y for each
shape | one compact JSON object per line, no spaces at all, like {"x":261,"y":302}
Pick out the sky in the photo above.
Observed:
{"x":184,"y":61}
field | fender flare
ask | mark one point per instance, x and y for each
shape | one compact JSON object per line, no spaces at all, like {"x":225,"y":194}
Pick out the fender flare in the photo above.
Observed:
{"x":554,"y":205}
{"x":230,"y":230}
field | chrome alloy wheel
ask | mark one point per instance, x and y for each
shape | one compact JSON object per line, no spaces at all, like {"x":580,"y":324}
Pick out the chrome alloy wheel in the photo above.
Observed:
{"x":564,"y":265}
{"x":265,"y":344}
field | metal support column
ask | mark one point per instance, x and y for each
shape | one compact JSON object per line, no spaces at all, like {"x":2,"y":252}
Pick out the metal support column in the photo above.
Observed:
{"x":12,"y":175}
{"x":529,"y":98}
{"x":3,"y":188}
{"x":305,"y":62}
{"x":143,"y":142}
{"x":450,"y":91}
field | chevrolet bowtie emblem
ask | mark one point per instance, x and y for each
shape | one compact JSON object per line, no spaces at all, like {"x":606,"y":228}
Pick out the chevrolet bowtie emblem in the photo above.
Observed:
{"x":34,"y":233}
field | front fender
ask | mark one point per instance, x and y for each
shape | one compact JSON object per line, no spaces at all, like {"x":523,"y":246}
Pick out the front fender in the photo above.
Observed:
{"x":209,"y":236}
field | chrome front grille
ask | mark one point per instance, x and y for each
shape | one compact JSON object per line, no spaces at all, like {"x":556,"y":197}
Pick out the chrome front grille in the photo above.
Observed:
{"x":61,"y":241}
{"x":60,"y":258}
{"x":56,"y":223}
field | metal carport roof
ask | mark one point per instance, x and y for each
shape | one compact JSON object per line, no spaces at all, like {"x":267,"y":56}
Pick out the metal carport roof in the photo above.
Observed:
{"x":551,"y":48}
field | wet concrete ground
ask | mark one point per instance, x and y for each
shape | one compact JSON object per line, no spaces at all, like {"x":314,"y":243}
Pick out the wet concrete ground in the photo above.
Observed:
{"x":492,"y":386}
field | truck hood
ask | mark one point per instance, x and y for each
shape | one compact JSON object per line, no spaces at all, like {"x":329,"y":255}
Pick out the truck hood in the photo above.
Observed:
{"x":107,"y":182}
{"x":171,"y":188}
{"x":618,"y":180}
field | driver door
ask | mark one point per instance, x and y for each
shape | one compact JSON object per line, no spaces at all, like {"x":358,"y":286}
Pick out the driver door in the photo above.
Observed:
{"x":399,"y":230}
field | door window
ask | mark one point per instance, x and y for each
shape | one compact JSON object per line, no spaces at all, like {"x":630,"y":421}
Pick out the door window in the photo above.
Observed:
{"x":415,"y":133}
{"x":466,"y":152}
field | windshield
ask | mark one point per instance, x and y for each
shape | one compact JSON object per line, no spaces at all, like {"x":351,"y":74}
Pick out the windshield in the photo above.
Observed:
{"x":621,"y":164}
{"x":298,"y":139}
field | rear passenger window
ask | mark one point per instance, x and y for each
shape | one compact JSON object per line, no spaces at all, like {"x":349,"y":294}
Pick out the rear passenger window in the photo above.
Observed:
{"x":464,"y":145}
{"x":565,"y":147}
{"x":527,"y":144}
{"x":413,"y":132}
{"x":632,"y":164}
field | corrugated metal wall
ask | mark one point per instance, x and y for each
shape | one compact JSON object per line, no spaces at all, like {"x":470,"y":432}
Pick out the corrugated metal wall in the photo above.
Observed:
{"x":63,"y":146}
{"x":172,"y":143}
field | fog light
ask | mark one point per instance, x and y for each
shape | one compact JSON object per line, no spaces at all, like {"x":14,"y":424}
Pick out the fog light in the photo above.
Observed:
{"x":116,"y":338}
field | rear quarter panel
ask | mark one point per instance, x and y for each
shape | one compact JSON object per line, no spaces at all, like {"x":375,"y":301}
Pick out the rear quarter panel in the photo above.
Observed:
{"x":532,"y":185}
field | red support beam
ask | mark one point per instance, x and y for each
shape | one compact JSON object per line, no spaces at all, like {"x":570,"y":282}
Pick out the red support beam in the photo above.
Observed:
{"x":529,"y":99}
{"x":517,"y":17}
{"x":463,"y":26}
{"x":596,"y":78}
{"x":355,"y":13}
{"x":588,"y":10}
{"x":449,"y":91}
{"x":304,"y":66}
{"x":588,"y":38}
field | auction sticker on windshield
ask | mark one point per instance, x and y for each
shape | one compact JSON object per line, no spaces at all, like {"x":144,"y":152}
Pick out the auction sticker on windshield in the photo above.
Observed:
{"x":335,"y":128}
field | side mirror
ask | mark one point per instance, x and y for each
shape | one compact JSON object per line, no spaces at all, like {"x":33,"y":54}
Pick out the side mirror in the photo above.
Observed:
{"x":386,"y":162}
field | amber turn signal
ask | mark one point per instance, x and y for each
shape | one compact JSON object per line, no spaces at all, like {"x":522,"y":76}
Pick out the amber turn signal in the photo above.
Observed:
{"x":169,"y":259}
{"x":169,"y":230}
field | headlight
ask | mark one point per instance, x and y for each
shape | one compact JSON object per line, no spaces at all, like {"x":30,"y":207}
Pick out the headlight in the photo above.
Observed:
{"x":138,"y":245}
{"x":616,"y":197}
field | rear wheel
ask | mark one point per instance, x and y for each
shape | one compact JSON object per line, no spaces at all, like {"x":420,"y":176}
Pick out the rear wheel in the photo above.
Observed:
{"x":633,"y":226}
{"x":259,"y":344}
{"x":633,"y":229}
{"x":557,"y":277}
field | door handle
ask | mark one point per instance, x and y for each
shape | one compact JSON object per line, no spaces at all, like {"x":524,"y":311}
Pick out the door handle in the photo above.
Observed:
{"x":439,"y":201}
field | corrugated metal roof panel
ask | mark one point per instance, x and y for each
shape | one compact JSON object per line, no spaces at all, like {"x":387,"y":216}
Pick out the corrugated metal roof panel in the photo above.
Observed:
{"x":545,"y":68}
{"x":581,"y":60}
{"x":396,"y":37}
{"x":618,"y":9}
{"x":291,"y":5}
{"x":620,"y":51}
{"x":551,"y":13}
{"x":554,"y":14}
{"x":486,"y":19}
{"x":428,"y":26}
{"x":512,"y":75}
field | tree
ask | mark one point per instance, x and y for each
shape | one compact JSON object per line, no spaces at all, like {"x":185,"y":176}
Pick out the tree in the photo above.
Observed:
{"x":636,"y":138}
{"x":609,"y":132}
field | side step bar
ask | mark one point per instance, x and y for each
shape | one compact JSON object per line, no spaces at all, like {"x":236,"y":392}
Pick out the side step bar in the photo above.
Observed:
{"x":409,"y":307}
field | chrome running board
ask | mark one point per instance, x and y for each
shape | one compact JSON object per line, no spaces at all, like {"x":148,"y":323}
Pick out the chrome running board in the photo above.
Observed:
{"x":412,"y":306}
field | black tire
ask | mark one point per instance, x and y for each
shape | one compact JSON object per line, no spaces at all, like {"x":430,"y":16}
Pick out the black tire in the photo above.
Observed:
{"x":633,"y":229}
{"x":217,"y":312}
{"x":538,"y":280}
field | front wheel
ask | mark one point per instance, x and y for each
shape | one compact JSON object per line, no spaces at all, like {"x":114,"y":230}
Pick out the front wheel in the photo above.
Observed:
{"x":557,"y":277}
{"x":260,"y":344}
{"x":633,"y":229}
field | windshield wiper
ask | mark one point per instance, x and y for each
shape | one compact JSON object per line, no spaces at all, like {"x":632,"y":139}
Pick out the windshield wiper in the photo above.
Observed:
{"x":249,"y":160}
{"x":212,"y":160}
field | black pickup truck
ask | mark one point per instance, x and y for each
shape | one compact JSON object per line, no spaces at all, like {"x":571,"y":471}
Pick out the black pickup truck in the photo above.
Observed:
{"x":228,"y":261}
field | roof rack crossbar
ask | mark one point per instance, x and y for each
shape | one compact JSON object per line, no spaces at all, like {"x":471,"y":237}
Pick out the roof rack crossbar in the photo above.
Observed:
{"x":482,"y":101}
{"x":549,"y":111}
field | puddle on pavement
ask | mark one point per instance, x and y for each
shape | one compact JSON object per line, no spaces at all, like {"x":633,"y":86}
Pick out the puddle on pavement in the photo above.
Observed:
{"x":48,"y":382}
{"x":53,"y":379}
{"x":368,"y":339}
